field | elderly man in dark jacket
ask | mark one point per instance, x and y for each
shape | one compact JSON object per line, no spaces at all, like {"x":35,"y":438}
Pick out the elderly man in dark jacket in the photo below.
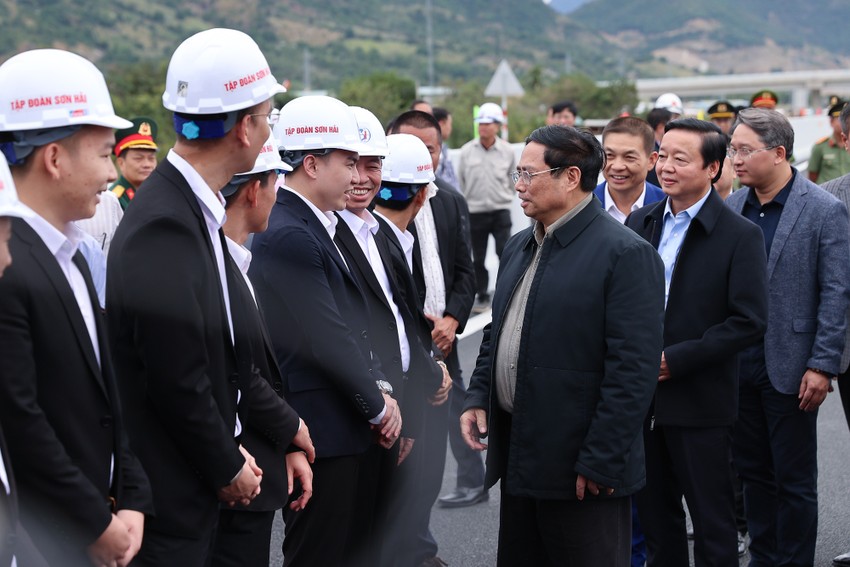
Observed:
{"x":568,"y":366}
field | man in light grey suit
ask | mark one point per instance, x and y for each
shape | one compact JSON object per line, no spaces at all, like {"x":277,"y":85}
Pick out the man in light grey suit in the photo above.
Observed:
{"x":784,"y":380}
{"x":840,"y":187}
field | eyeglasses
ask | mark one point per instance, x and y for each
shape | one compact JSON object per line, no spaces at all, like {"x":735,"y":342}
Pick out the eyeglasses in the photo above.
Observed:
{"x":745,"y":153}
{"x":526,"y":176}
{"x":272,"y":117}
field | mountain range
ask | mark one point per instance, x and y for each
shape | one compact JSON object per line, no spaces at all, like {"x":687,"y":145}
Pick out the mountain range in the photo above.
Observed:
{"x":319,"y":44}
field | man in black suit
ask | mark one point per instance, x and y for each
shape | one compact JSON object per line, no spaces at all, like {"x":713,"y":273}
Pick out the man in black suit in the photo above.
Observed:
{"x":716,"y":281}
{"x":405,"y":360}
{"x":447,"y":302}
{"x":82,"y":493}
{"x":319,"y":325}
{"x":568,"y":366}
{"x":243,"y":535}
{"x":170,"y":305}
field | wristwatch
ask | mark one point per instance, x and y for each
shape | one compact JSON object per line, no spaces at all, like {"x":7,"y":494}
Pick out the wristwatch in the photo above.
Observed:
{"x":385,"y":387}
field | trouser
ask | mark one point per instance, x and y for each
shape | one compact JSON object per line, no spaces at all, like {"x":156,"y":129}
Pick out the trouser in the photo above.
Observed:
{"x":775,"y":449}
{"x":481,"y":226}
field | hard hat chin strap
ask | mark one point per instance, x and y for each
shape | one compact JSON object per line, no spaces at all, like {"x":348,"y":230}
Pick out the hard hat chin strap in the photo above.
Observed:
{"x":24,"y":142}
{"x":193,"y":126}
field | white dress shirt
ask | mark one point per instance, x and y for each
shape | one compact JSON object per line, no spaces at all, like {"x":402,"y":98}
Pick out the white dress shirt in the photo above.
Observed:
{"x":364,"y":231}
{"x":611,"y":206}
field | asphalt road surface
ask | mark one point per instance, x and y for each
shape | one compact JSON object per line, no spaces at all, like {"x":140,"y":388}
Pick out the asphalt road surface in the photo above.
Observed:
{"x":467,"y":536}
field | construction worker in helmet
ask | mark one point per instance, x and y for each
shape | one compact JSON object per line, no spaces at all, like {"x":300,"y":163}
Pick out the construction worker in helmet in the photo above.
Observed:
{"x":185,"y":369}
{"x":319,"y":324}
{"x":82,"y":494}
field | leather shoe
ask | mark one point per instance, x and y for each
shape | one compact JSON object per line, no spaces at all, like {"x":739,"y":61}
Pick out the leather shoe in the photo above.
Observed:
{"x":842,"y":560}
{"x":463,"y":496}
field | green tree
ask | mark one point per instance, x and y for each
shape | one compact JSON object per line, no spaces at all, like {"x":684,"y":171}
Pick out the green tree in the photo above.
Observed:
{"x":386,"y":94}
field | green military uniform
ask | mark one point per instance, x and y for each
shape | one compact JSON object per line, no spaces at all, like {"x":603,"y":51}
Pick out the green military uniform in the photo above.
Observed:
{"x":140,"y":136}
{"x":829,"y":159}
{"x":123,"y":190}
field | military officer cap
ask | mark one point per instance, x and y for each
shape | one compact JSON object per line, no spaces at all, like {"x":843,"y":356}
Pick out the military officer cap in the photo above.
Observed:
{"x":140,"y":136}
{"x":721,"y":109}
{"x":764,"y":99}
{"x":837,"y":105}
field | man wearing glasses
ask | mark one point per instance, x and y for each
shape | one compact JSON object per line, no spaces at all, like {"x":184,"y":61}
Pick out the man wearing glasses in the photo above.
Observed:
{"x":568,"y":366}
{"x":784,"y":379}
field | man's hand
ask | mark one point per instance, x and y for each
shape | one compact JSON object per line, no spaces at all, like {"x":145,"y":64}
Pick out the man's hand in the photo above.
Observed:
{"x":390,"y":427}
{"x":113,"y":544}
{"x":135,"y":522}
{"x":442,"y":394}
{"x":298,"y":467}
{"x":473,"y":424}
{"x":303,"y":441}
{"x":583,"y":483}
{"x":664,"y":371}
{"x":245,"y":487}
{"x":813,"y":390}
{"x":443,"y":333}
{"x":405,"y":445}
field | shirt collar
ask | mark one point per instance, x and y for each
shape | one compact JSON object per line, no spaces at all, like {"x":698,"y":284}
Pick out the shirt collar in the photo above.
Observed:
{"x":211,"y":201}
{"x":405,"y":238}
{"x":691,"y":211}
{"x":61,"y":244}
{"x":781,"y":197}
{"x":328,"y":219}
{"x":241,"y":255}
{"x":609,"y":201}
{"x":356,"y":223}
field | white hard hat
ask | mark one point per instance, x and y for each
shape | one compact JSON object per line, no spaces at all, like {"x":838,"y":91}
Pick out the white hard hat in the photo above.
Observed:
{"x":408,"y":161}
{"x":216,"y":71}
{"x":317,"y":122}
{"x":490,"y":112}
{"x":10,"y":206}
{"x":671,"y":102}
{"x":52,"y":88}
{"x":371,"y":132}
{"x":269,"y":158}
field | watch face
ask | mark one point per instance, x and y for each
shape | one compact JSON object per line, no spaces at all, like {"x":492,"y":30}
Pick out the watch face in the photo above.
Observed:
{"x":385,"y":386}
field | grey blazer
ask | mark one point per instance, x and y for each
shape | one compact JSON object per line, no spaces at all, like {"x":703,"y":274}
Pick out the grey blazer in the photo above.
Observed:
{"x":840,"y":187}
{"x":808,"y":272}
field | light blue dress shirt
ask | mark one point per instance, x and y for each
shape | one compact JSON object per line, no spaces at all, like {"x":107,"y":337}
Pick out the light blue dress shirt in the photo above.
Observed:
{"x":673,"y":232}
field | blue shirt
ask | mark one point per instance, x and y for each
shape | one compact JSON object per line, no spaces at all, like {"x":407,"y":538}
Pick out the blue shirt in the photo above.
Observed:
{"x":767,"y":215}
{"x":673,"y":232}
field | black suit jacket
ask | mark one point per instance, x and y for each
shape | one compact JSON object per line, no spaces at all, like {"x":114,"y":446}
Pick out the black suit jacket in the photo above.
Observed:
{"x":61,"y":406}
{"x":318,"y":321}
{"x":588,"y":359}
{"x":176,"y":363}
{"x":717,"y":306}
{"x":424,"y":376}
{"x":451,"y":220}
{"x":263,"y":418}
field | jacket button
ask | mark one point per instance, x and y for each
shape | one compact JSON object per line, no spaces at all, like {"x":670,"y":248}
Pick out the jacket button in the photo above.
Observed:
{"x":277,"y":386}
{"x":364,"y":335}
{"x":396,"y":359}
{"x":234,"y":378}
{"x":106,"y":421}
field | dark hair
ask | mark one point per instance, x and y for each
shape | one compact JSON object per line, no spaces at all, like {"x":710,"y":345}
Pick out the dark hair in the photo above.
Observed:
{"x":231,"y":192}
{"x":441,"y":114}
{"x":713,"y":148}
{"x":771,"y":126}
{"x":569,"y":147}
{"x":559,"y":107}
{"x":632,"y":126}
{"x":658,"y":116}
{"x":845,"y":119}
{"x":415,"y":119}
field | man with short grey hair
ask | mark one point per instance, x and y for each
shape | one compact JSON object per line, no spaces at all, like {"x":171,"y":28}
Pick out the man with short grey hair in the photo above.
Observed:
{"x":785,"y":378}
